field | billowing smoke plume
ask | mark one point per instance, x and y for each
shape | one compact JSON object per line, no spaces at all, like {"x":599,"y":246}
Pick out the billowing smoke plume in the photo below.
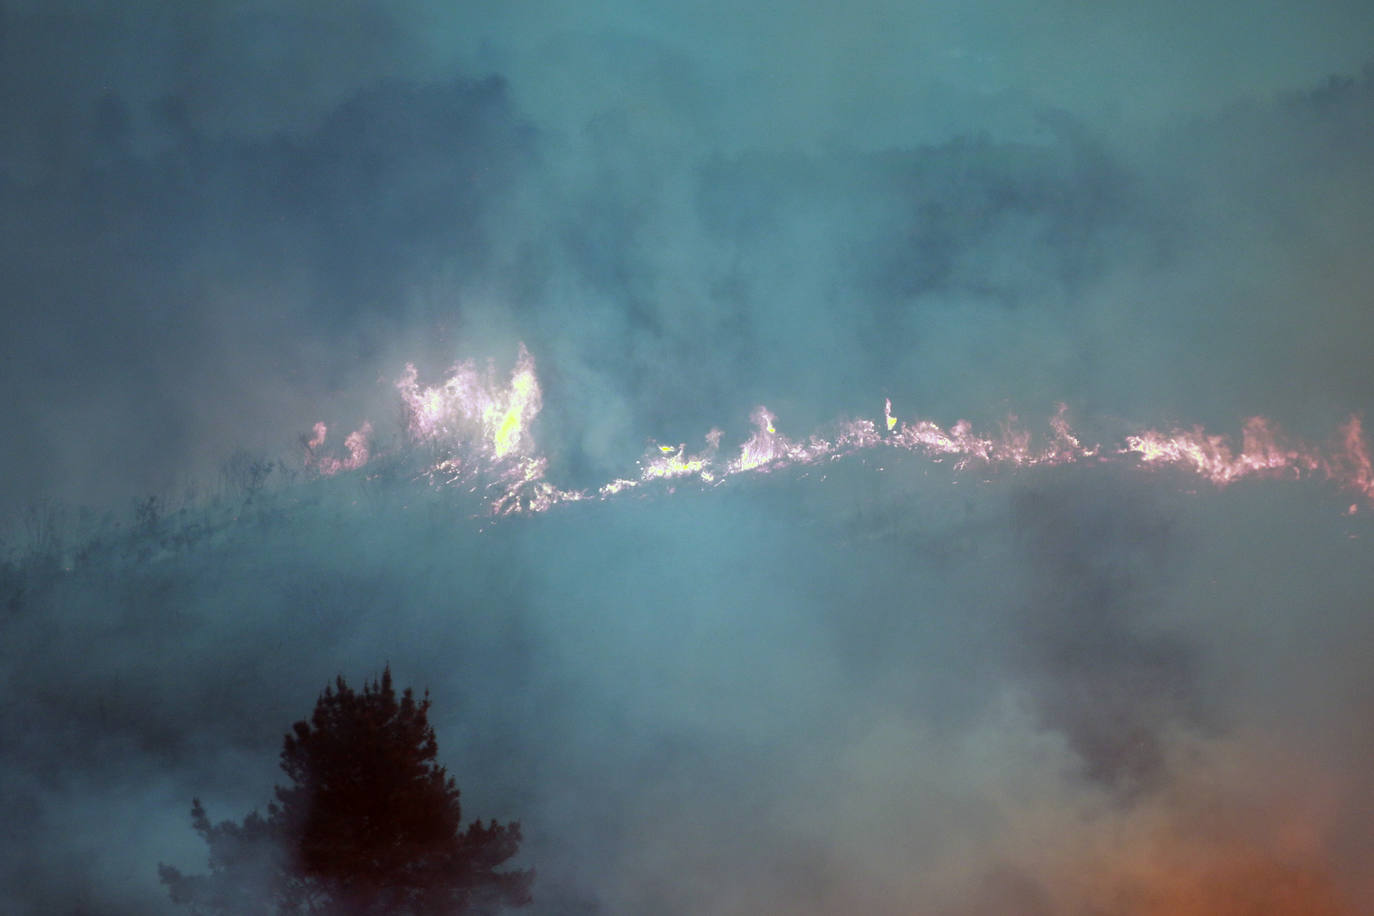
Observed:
{"x":712,"y":588}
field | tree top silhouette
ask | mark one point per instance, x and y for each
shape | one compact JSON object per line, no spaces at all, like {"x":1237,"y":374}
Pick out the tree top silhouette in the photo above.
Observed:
{"x":371,"y":824}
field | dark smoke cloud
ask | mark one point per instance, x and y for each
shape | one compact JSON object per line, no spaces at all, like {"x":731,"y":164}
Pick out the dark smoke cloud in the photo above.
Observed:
{"x":883,"y":685}
{"x":224,"y":285}
{"x":1100,"y":551}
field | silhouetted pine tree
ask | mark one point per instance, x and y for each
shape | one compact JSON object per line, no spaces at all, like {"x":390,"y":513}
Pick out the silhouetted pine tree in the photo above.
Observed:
{"x":370,"y":825}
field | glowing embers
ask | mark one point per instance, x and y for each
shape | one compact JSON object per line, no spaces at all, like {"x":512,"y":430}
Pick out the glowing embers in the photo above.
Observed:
{"x":522,"y":487}
{"x":674,"y":462}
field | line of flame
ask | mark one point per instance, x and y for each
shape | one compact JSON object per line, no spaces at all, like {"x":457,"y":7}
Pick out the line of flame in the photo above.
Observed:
{"x":480,"y":434}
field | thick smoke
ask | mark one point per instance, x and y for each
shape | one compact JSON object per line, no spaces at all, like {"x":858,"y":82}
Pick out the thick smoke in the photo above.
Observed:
{"x":878,"y":685}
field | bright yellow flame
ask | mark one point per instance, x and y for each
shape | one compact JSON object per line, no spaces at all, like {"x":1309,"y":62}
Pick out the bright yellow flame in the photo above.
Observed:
{"x":521,"y":402}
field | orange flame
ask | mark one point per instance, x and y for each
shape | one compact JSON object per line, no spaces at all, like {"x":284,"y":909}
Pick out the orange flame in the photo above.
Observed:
{"x":1264,"y":452}
{"x":481,"y":432}
{"x":469,"y":410}
{"x":358,"y":443}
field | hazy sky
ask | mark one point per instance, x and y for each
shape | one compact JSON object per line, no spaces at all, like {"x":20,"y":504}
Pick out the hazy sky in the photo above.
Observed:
{"x":226,"y":221}
{"x":852,"y":689}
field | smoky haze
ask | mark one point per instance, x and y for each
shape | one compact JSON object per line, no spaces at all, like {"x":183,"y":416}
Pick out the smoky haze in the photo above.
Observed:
{"x":879,"y":686}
